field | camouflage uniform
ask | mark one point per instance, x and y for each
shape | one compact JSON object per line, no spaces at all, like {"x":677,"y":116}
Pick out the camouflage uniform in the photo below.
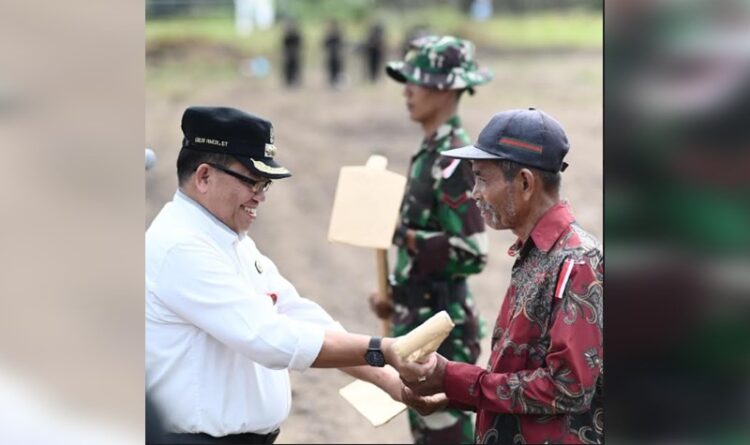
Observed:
{"x":450,"y":238}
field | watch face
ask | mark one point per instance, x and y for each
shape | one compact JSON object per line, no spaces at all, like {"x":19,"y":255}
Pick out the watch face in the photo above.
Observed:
{"x":375,"y":358}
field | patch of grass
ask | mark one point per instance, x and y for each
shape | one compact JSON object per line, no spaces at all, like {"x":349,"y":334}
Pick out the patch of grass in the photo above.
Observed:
{"x":178,"y":79}
{"x":574,"y":29}
{"x":207,"y":48}
{"x":217,"y":30}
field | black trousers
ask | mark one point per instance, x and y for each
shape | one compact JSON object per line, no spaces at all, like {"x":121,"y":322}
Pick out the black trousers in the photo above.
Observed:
{"x":205,"y":439}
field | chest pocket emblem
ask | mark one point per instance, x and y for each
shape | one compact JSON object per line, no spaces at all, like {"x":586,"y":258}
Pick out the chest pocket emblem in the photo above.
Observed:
{"x":257,"y":266}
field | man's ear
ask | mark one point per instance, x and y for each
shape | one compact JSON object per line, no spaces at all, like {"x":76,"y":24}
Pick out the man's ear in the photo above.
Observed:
{"x":528,"y":182}
{"x":202,"y":177}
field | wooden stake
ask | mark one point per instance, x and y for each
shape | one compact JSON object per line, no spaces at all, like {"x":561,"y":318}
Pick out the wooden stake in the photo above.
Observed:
{"x":382,"y":262}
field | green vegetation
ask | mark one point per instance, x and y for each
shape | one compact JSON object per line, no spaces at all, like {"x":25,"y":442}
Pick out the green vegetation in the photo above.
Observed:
{"x":181,"y":48}
{"x":570,"y":29}
{"x":575,"y":30}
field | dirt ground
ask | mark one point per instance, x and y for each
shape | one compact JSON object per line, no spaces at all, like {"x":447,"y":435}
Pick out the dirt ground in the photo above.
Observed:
{"x":318,"y":131}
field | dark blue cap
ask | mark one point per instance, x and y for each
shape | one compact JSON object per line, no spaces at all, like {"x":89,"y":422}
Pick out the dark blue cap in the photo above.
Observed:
{"x":527,"y":136}
{"x":233,"y":132}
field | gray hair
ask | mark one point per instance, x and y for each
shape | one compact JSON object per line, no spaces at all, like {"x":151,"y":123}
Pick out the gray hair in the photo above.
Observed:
{"x":550,"y":180}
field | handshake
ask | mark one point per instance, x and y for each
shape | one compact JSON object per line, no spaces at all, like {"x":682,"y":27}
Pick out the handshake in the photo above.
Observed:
{"x":421,"y":384}
{"x":418,"y":371}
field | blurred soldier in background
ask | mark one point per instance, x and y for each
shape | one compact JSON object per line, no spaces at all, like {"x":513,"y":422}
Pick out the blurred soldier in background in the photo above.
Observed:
{"x":373,"y":49}
{"x":440,"y":235}
{"x":333,"y":43}
{"x":292,"y":53}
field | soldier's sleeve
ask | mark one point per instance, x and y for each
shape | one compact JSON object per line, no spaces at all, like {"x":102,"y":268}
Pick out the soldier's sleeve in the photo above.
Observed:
{"x":566,"y":382}
{"x":460,"y":248}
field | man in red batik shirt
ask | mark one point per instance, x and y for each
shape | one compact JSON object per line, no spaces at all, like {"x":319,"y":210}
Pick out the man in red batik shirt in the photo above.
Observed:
{"x":545,"y":376}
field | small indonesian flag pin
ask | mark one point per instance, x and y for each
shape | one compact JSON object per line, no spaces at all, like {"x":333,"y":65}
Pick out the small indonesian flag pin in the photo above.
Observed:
{"x":563,"y":280}
{"x":273,"y":296}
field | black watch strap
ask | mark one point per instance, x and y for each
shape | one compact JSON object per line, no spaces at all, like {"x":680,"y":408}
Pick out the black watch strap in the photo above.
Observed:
{"x":374,"y":355}
{"x":374,"y":343}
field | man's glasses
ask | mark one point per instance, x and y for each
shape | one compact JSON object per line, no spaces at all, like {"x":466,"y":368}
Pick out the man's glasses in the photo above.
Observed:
{"x":257,"y":186}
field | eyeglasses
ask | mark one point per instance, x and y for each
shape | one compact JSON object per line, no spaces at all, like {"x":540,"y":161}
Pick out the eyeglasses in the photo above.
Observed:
{"x":257,"y":186}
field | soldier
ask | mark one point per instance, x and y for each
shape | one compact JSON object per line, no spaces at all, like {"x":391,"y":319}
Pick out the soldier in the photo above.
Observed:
{"x":440,"y":236}
{"x":333,"y":43}
{"x":373,"y":49}
{"x":292,"y":50}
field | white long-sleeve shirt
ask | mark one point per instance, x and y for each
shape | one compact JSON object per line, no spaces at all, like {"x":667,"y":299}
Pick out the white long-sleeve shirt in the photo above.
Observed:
{"x":222,"y":326}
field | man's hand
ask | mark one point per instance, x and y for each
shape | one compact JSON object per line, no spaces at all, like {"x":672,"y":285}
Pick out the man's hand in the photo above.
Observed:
{"x":408,"y":370}
{"x":382,"y":307}
{"x":421,"y":383}
{"x":424,"y":405}
{"x":385,"y":378}
{"x":392,"y":384}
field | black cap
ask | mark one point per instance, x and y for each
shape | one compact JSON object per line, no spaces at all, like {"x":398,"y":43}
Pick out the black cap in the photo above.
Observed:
{"x":233,"y":132}
{"x":527,"y":136}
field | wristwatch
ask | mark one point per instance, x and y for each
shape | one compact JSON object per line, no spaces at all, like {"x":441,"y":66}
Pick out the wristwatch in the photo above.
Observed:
{"x":374,"y":355}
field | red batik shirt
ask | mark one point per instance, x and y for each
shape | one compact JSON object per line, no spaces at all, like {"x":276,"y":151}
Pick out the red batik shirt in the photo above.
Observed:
{"x":544,"y":379}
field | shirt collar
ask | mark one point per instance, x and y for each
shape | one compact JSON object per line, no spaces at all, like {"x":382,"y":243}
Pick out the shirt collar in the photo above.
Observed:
{"x":217,"y":229}
{"x":441,"y":133}
{"x":548,"y":229}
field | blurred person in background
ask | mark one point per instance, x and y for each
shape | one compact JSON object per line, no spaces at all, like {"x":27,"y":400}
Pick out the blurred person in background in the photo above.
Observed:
{"x":544,"y":380}
{"x":440,"y":235}
{"x":223,"y":326}
{"x":373,"y":49}
{"x":333,"y":44}
{"x":292,"y":44}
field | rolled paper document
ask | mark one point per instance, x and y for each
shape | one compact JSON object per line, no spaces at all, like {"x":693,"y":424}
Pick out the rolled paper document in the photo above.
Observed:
{"x":425,"y":338}
{"x":371,"y":401}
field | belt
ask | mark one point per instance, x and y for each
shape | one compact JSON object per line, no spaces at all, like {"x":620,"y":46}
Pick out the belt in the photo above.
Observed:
{"x":437,"y":294}
{"x":206,"y":439}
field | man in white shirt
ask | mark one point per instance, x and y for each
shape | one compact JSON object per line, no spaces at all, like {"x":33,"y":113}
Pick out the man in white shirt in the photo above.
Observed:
{"x":222,"y":325}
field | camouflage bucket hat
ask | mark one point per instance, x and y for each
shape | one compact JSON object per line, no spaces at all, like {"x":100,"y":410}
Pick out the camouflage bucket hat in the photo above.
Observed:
{"x":444,"y":63}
